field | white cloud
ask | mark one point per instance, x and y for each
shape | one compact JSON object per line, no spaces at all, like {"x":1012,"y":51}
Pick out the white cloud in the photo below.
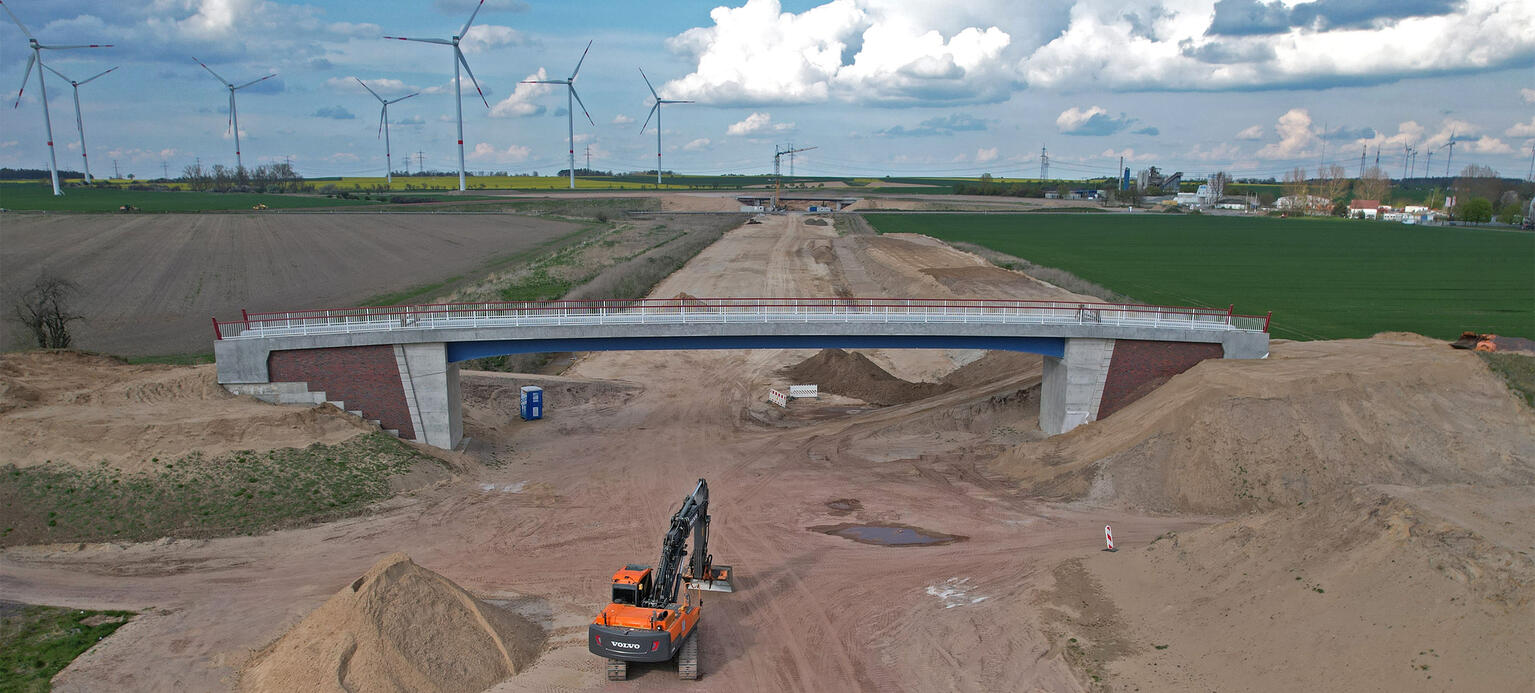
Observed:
{"x":385,"y":86}
{"x":699,"y":144}
{"x":488,"y":153}
{"x":1527,"y":95}
{"x":1522,"y":129}
{"x":1093,"y":120}
{"x":1104,"y":46}
{"x":757,"y":124}
{"x":8,"y":144}
{"x":1222,"y":152}
{"x":1128,"y":153}
{"x":520,"y":103}
{"x":985,"y":155}
{"x":483,"y":37}
{"x":351,"y":30}
{"x":1296,"y":137}
{"x":1253,"y":133}
{"x":622,"y":119}
{"x":1490,"y":145}
{"x":850,"y":50}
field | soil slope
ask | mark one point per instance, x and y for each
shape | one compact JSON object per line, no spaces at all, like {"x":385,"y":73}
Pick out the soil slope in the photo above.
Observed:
{"x":81,"y":410}
{"x":399,"y":627}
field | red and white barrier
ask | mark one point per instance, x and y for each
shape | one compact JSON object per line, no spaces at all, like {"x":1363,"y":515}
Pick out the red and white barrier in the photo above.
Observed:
{"x":778,"y":398}
{"x":1108,"y":537}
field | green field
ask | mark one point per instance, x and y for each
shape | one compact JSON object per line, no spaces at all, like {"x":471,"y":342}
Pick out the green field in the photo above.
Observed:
{"x":31,"y":196}
{"x":1323,"y":279}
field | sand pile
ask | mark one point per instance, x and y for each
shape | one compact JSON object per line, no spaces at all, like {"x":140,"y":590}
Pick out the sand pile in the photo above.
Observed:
{"x":399,"y":627}
{"x":1315,"y":417}
{"x":82,"y":409}
{"x":852,"y":374}
{"x":1378,"y":588}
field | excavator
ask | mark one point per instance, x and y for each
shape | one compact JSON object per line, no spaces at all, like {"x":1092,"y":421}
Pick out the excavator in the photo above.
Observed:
{"x":645,"y":622}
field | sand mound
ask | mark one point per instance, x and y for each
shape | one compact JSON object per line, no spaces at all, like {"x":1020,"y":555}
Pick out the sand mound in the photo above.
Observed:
{"x":82,"y":409}
{"x":1228,"y":436}
{"x":1373,"y":589}
{"x":853,"y":375}
{"x":399,"y":627}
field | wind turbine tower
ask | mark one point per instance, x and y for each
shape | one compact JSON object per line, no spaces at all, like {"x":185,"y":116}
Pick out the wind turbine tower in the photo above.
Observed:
{"x":1451,"y":155}
{"x":79,"y":123}
{"x":383,"y":128}
{"x":42,"y":88}
{"x":458,"y":97}
{"x":656,"y":111}
{"x":234,"y":115}
{"x":570,"y":94}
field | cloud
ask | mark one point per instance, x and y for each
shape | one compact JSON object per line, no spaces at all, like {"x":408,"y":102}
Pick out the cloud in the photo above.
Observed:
{"x":857,"y":51}
{"x":1253,"y":133}
{"x":941,"y":125}
{"x":488,"y":153}
{"x":483,"y":37}
{"x":334,"y":113}
{"x":1128,"y":154}
{"x":363,"y":30}
{"x":1091,"y":121}
{"x":8,"y":144}
{"x":1248,"y":45}
{"x":1488,"y":144}
{"x":1148,"y":130}
{"x":385,"y":86}
{"x":1522,"y":129}
{"x":412,"y":120}
{"x":622,"y":119}
{"x":320,"y":64}
{"x":1296,"y":137}
{"x":985,"y":155}
{"x":519,"y":104}
{"x":700,"y":144}
{"x":757,"y":124}
{"x":1347,"y":133}
{"x":1527,"y":95}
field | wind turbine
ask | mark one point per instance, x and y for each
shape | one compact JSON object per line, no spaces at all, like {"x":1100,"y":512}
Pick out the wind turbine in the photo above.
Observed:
{"x":234,"y":116}
{"x":656,"y":111}
{"x":1451,"y":155}
{"x":42,"y":87}
{"x":383,"y":128}
{"x":458,"y":97}
{"x":570,"y":93}
{"x":80,"y":124}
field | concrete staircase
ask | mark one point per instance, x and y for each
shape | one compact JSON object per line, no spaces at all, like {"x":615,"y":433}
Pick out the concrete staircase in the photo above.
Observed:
{"x":298,"y":393}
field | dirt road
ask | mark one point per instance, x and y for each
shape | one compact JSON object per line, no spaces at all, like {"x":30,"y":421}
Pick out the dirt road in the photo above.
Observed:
{"x":149,"y":283}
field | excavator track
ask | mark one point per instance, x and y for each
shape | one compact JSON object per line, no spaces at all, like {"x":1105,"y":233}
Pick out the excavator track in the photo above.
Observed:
{"x":687,"y":659}
{"x":618,"y":670}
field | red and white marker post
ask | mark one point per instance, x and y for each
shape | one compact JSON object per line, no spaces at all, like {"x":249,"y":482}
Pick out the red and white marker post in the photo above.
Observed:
{"x":1108,"y":538}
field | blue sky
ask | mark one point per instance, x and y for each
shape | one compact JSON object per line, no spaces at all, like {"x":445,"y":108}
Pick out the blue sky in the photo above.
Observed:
{"x":881,"y":87}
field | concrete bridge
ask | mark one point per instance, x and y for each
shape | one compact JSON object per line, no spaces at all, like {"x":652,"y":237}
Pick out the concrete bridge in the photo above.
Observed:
{"x":399,"y":364}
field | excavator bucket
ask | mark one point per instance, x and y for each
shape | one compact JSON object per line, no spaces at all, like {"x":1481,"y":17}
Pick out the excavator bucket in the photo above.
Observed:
{"x":718,"y":580}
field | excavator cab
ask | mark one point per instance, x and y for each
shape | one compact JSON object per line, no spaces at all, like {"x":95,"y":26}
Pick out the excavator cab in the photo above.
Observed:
{"x":631,"y":585}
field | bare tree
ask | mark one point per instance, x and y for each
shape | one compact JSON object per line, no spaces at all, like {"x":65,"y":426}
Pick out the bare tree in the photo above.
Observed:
{"x":1373,"y":186}
{"x":1333,"y":183}
{"x":1297,"y":190}
{"x":44,"y":309}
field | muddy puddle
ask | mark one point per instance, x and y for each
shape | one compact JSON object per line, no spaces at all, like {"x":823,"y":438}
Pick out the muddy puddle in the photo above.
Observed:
{"x":889,"y":534}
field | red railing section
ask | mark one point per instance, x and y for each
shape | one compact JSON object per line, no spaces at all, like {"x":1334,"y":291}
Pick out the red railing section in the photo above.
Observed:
{"x":707,"y":305}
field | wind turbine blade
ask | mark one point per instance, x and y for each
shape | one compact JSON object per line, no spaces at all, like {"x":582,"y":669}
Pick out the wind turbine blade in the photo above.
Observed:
{"x":24,"y":78}
{"x":87,"y":81}
{"x":677,"y":101}
{"x":402,"y":98}
{"x":263,"y":79}
{"x":543,"y":81}
{"x":231,"y":121}
{"x":582,"y":60}
{"x":81,"y":45}
{"x":370,"y":91}
{"x":472,"y":15}
{"x":573,"y":92}
{"x":18,"y":21}
{"x":60,"y":74}
{"x":211,"y":72}
{"x":383,"y":112}
{"x":444,"y":42}
{"x":476,"y":82}
{"x":653,"y":110}
{"x":647,"y":83}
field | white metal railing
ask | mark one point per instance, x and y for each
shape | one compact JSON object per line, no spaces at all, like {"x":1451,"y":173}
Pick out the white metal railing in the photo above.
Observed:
{"x":702,"y":311}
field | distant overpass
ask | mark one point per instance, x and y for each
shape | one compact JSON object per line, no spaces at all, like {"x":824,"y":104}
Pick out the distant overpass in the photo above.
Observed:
{"x":398,"y":364}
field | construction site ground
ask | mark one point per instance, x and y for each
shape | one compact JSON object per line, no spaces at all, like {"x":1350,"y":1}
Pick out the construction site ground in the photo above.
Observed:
{"x":1399,"y":560}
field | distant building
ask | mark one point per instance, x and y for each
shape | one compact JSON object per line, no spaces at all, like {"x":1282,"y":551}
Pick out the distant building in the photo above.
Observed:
{"x":1363,"y":209}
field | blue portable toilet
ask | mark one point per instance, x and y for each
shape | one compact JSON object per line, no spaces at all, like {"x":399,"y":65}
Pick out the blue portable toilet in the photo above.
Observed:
{"x":532,"y":402}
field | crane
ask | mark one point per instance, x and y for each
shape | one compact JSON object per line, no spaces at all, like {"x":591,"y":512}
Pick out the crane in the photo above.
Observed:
{"x":777,"y":171}
{"x":645,"y":622}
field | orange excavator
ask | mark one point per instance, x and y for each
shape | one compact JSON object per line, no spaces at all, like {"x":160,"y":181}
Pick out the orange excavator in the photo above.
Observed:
{"x":645,"y":621}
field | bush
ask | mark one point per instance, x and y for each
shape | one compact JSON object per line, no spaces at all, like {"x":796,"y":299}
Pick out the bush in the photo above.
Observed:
{"x":1476,"y":210}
